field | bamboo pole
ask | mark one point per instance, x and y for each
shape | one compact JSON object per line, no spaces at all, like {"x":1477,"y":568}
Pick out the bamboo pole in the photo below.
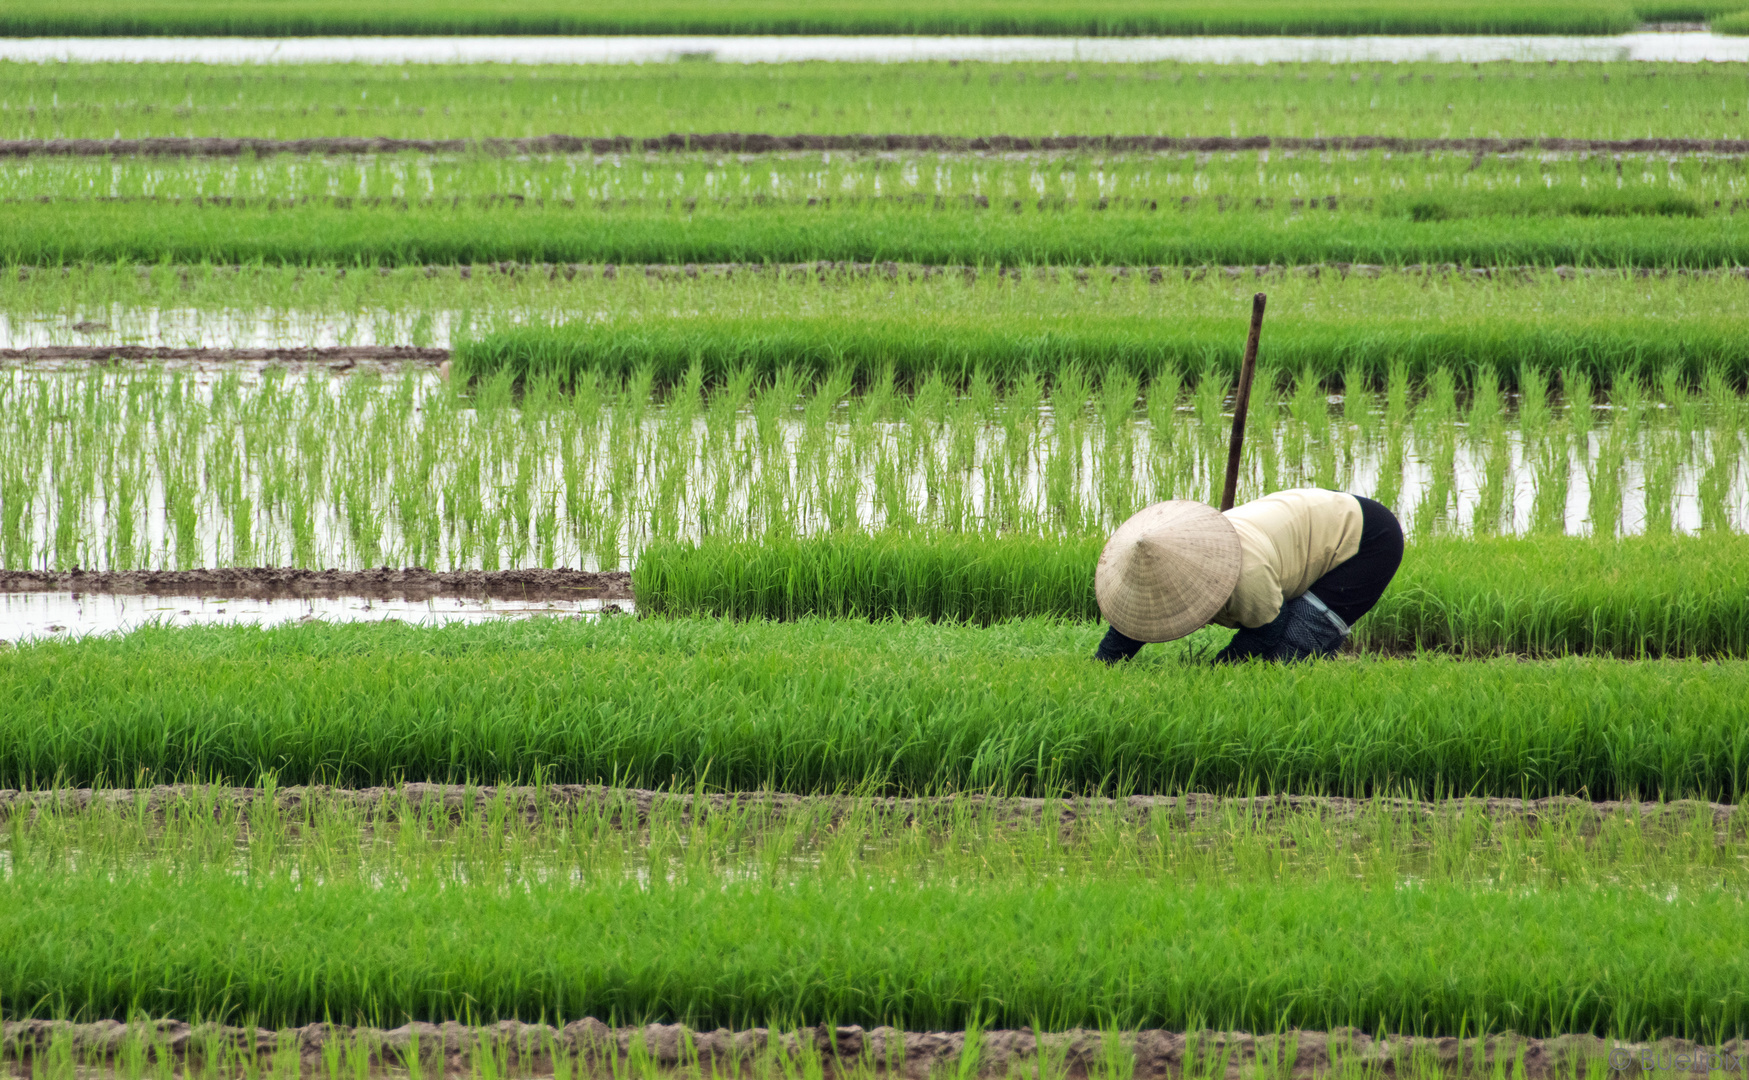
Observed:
{"x":1242,"y":403}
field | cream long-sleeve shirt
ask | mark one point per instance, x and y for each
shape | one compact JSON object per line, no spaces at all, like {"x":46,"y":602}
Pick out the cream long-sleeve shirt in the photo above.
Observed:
{"x":1287,"y":541}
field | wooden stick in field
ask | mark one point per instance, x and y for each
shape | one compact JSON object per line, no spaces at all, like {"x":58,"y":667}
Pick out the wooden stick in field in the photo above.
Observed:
{"x":1243,"y":402}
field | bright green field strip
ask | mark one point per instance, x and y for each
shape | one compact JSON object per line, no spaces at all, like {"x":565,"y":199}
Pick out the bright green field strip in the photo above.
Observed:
{"x":1378,"y":923}
{"x":813,"y":706}
{"x":62,"y":234}
{"x":1538,"y":595}
{"x":1099,"y":17}
{"x":442,"y":101}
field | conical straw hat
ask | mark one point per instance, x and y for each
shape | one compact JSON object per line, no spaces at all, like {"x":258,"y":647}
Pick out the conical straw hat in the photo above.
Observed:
{"x":1167,"y":570}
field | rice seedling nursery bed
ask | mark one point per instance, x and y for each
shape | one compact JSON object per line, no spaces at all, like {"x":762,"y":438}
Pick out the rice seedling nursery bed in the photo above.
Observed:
{"x":820,"y":705}
{"x":848,"y":775}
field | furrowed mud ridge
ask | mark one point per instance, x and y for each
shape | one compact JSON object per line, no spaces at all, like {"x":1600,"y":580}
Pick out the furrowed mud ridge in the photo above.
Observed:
{"x":758,"y":143}
{"x":915,"y":1055}
{"x":269,"y":583}
{"x":637,"y":805}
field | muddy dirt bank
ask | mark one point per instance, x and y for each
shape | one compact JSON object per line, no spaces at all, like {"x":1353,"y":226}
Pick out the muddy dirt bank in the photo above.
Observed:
{"x":270,"y":583}
{"x":531,"y":804}
{"x":738,"y":142}
{"x":531,"y":1048}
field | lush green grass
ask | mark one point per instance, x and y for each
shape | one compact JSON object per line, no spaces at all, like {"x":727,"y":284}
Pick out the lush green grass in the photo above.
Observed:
{"x":1446,"y":927}
{"x":440,"y":101}
{"x":1635,"y":597}
{"x":813,"y":706}
{"x":1097,"y":17}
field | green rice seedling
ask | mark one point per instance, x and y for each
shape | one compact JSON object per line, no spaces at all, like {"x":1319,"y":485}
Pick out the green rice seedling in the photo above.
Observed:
{"x":1261,"y":424}
{"x":1119,"y":396}
{"x":1436,"y":438}
{"x":1724,"y":451}
{"x":1488,"y":441}
{"x":946,"y":919}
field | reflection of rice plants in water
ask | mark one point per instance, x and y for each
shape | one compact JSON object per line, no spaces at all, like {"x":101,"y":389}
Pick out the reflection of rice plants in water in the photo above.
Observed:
{"x":118,"y":468}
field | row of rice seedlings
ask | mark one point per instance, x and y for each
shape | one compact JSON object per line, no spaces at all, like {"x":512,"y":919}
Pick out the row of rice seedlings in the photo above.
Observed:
{"x":830,"y":705}
{"x":1610,"y":100}
{"x":1107,"y":17}
{"x":491,"y":887}
{"x":610,"y":831}
{"x":1642,"y":597}
{"x":149,"y":469}
{"x":560,"y":319}
{"x":1544,"y":231}
{"x":1279,"y":182}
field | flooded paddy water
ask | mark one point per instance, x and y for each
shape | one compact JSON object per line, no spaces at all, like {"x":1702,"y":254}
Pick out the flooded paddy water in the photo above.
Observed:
{"x":1693,"y":45}
{"x":55,"y":614}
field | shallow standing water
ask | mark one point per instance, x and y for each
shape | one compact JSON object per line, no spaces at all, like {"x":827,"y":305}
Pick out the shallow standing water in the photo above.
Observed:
{"x":64,"y":614}
{"x":1682,"y":46}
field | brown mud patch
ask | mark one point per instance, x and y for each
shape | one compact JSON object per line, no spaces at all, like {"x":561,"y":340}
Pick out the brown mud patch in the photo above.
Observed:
{"x":531,"y":1049}
{"x":760,"y":143}
{"x":637,"y":806}
{"x":274,"y":583}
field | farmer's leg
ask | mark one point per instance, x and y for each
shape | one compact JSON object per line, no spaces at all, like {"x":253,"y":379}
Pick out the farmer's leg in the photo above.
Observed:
{"x":1117,"y":647}
{"x":1351,"y":589}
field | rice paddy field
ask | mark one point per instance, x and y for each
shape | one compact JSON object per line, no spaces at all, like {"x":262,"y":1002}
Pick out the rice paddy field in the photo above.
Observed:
{"x":834,"y":379}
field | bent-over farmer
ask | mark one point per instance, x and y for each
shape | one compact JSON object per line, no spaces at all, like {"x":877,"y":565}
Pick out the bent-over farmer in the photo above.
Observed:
{"x":1293,"y":571}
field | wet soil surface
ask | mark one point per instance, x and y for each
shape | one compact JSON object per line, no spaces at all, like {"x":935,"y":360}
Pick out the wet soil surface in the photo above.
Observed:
{"x":531,"y":1049}
{"x":636,"y":805}
{"x":758,"y":143}
{"x":271,"y":583}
